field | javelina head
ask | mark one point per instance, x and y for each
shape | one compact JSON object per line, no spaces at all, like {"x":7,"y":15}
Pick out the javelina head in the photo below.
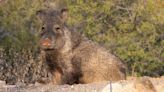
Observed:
{"x":54,"y":33}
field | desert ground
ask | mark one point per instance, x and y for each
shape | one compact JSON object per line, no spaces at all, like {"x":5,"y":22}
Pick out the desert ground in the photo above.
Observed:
{"x":132,"y":84}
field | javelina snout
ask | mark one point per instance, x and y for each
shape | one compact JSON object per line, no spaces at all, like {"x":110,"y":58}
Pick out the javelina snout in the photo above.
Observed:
{"x":46,"y":43}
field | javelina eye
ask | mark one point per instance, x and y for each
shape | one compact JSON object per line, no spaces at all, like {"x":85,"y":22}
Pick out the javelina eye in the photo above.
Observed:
{"x":57,"y":28}
{"x":43,"y":28}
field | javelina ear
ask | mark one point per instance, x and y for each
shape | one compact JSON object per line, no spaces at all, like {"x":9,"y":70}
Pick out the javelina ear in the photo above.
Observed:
{"x":64,"y":14}
{"x":41,"y":14}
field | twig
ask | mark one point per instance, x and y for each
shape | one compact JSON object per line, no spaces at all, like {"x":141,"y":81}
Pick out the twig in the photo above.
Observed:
{"x":110,"y":86}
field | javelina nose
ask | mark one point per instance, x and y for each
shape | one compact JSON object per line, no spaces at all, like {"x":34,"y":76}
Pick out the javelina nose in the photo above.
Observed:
{"x":45,"y":43}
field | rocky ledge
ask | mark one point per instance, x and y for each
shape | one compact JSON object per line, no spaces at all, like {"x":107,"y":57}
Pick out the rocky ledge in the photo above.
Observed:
{"x":132,"y":84}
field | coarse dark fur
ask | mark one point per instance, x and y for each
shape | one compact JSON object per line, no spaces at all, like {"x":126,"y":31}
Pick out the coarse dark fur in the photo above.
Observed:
{"x":71,"y":57}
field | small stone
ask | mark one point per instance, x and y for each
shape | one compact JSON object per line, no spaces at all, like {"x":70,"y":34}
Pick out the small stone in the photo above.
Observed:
{"x":20,"y":84}
{"x":38,"y":84}
{"x":2,"y":84}
{"x":72,"y":86}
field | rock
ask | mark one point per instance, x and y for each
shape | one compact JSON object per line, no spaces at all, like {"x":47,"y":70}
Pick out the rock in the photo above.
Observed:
{"x":2,"y":84}
{"x":137,"y":85}
{"x":144,"y":85}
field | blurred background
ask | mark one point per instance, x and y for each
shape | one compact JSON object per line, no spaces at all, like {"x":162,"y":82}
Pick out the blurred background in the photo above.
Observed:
{"x":133,"y":30}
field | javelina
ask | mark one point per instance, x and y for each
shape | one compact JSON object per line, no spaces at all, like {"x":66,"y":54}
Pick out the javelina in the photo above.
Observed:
{"x":71,"y":57}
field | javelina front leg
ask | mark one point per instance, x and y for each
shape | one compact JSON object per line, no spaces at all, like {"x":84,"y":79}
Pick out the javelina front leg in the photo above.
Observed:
{"x":63,"y":75}
{"x":68,"y":72}
{"x":69,"y":77}
{"x":57,"y":77}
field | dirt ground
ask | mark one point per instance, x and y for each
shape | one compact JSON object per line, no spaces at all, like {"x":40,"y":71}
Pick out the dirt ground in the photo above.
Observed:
{"x":120,"y":86}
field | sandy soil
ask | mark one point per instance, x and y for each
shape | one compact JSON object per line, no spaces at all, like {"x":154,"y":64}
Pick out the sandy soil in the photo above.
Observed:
{"x":120,"y":86}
